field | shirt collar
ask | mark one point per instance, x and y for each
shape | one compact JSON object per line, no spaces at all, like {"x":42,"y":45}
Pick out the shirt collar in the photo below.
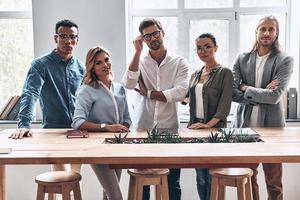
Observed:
{"x":59,"y":59}
{"x":218,"y":67}
{"x":167,"y":57}
{"x":103,"y":85}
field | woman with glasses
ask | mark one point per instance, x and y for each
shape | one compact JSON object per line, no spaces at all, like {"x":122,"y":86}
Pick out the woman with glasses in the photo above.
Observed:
{"x":209,"y":97}
{"x":101,"y":106}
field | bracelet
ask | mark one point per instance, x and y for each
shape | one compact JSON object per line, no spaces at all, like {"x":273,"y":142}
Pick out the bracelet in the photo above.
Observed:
{"x":149,"y":94}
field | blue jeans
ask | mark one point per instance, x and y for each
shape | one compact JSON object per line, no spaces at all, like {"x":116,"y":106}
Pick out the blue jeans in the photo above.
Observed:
{"x":173,"y":185}
{"x":203,"y":183}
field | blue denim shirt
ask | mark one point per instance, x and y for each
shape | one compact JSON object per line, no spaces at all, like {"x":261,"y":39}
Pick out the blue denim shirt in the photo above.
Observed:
{"x":55,"y":83}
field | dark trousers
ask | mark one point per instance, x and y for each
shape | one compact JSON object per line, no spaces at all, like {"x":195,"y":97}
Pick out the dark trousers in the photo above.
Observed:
{"x":173,"y":185}
{"x":273,"y":178}
{"x":203,"y":179}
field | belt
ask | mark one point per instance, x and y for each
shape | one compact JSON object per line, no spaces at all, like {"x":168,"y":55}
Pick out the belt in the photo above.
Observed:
{"x":199,"y":120}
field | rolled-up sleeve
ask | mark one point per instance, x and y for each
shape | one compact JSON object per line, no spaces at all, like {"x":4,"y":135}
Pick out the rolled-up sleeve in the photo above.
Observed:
{"x":130,"y":79}
{"x":83,"y":105}
{"x":179,"y":91}
{"x":126,"y":115}
{"x":224,"y":105}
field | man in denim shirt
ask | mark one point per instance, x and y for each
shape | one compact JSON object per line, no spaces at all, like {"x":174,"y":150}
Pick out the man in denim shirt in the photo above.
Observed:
{"x":54,"y":79}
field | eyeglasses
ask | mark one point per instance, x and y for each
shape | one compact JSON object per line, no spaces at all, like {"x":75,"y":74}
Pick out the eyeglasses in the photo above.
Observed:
{"x":205,"y":48}
{"x":148,"y":36}
{"x":67,"y":37}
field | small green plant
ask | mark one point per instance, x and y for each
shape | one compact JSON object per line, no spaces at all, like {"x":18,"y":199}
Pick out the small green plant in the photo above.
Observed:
{"x":158,"y":135}
{"x":196,"y":140}
{"x":241,"y":138}
{"x":214,"y":138}
{"x":119,"y":139}
{"x":153,"y":133}
{"x":227,"y":134}
{"x":162,"y":135}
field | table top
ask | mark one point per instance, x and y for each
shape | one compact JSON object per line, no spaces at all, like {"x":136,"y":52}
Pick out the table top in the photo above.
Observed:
{"x":50,"y":146}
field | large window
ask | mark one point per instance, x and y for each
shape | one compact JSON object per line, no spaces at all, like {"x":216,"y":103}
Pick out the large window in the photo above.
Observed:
{"x":233,"y":23}
{"x":16,"y":46}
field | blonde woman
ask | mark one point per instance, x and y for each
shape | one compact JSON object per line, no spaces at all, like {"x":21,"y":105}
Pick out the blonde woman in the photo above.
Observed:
{"x":101,"y":106}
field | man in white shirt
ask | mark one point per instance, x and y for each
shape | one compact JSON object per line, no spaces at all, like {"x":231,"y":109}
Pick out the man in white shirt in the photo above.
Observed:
{"x":160,"y":78}
{"x":260,"y":78}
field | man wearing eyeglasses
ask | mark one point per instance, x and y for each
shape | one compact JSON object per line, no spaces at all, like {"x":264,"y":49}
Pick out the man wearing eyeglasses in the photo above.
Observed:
{"x":54,"y":79}
{"x":160,"y":78}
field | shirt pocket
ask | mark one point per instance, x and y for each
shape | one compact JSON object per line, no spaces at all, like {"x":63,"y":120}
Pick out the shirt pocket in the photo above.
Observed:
{"x":214,"y":95}
{"x":75,"y":80}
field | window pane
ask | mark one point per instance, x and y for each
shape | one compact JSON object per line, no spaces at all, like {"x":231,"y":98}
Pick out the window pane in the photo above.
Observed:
{"x":248,"y":24}
{"x":16,"y":53}
{"x":15,"y":5}
{"x":153,"y":4}
{"x":208,"y":3}
{"x":170,"y":26}
{"x":261,"y":3}
{"x":220,"y":29}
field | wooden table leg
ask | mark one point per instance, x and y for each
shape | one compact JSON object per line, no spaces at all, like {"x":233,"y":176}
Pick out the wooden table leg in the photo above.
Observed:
{"x":2,"y":182}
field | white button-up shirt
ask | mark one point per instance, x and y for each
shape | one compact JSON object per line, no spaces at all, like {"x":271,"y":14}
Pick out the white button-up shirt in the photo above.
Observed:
{"x":170,"y":78}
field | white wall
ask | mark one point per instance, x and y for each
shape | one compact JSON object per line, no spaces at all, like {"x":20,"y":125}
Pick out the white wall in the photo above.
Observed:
{"x":101,"y":22}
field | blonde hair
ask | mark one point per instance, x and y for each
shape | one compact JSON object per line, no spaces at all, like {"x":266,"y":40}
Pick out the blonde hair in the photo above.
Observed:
{"x":90,"y":77}
{"x":275,"y":46}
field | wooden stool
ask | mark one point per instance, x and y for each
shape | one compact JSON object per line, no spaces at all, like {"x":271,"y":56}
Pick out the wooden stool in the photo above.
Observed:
{"x":235,"y":177}
{"x":60,"y":182}
{"x":141,"y":177}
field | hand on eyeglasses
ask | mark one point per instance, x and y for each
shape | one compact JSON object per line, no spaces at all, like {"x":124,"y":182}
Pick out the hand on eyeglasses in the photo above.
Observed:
{"x":138,"y":44}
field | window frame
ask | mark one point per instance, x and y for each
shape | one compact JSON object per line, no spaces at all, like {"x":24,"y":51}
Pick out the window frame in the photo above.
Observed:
{"x":15,"y":14}
{"x":184,"y":14}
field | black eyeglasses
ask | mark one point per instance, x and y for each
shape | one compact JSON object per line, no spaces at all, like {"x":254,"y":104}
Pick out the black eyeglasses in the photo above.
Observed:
{"x":205,"y":48}
{"x":148,"y":36}
{"x":66,"y":37}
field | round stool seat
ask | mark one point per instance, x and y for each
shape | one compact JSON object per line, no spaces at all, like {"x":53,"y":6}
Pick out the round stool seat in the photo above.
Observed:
{"x":58,"y":182}
{"x":145,"y":172}
{"x":142,"y":177}
{"x":232,"y":172}
{"x":57,"y":177}
{"x":234,"y":177}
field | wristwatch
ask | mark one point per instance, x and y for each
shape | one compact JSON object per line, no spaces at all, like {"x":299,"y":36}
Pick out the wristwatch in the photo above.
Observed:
{"x":103,"y":126}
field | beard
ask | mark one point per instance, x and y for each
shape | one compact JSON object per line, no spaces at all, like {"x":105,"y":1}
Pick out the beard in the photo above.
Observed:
{"x":269,"y":45}
{"x":155,"y":45}
{"x":266,"y":43}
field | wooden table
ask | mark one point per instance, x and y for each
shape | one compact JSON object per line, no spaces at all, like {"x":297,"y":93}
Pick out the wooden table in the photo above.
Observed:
{"x":50,"y":146}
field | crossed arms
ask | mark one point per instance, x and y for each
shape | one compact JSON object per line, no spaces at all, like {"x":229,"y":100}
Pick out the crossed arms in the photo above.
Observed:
{"x":242,"y":93}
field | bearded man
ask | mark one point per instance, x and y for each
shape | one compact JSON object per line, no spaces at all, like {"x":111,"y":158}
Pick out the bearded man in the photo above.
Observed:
{"x":161,"y":80}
